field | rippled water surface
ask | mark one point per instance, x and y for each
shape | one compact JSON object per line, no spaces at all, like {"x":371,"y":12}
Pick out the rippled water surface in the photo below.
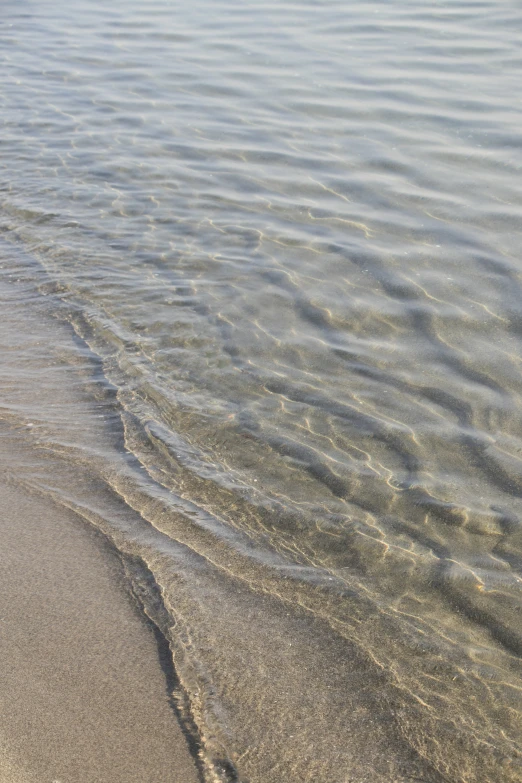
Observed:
{"x":262,"y":324}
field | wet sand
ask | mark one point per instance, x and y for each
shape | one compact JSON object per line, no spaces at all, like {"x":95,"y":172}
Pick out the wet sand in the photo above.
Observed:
{"x":83,"y":696}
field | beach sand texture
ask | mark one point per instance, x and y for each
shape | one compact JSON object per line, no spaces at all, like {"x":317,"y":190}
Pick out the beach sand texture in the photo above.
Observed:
{"x":83,"y":696}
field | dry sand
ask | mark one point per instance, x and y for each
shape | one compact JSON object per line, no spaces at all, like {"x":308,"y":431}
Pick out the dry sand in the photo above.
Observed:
{"x":83,"y":698}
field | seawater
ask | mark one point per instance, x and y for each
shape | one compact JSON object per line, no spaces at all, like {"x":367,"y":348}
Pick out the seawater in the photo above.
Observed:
{"x":262,"y":325}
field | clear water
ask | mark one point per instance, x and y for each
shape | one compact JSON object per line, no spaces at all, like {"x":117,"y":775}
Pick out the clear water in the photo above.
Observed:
{"x":283,"y":244}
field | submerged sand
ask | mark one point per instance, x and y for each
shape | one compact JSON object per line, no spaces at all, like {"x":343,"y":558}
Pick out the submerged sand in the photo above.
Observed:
{"x":83,"y":696}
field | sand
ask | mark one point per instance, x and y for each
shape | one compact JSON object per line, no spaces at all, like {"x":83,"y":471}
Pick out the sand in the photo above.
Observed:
{"x":83,"y":698}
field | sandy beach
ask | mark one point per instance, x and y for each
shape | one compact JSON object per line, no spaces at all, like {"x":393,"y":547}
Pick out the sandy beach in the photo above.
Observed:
{"x":83,"y":695}
{"x":260,"y":392}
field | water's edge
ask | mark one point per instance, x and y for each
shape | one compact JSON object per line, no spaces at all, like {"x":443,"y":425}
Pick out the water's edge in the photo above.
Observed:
{"x":261,"y":315}
{"x":162,"y":558}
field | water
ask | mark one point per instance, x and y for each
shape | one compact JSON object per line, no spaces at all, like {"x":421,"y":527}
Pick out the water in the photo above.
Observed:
{"x":282,"y":241}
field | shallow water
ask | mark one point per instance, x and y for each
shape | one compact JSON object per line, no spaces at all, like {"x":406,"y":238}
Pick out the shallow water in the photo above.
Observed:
{"x":283,"y":245}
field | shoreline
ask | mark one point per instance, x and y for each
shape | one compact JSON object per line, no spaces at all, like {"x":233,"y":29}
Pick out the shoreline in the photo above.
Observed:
{"x":84,"y":697}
